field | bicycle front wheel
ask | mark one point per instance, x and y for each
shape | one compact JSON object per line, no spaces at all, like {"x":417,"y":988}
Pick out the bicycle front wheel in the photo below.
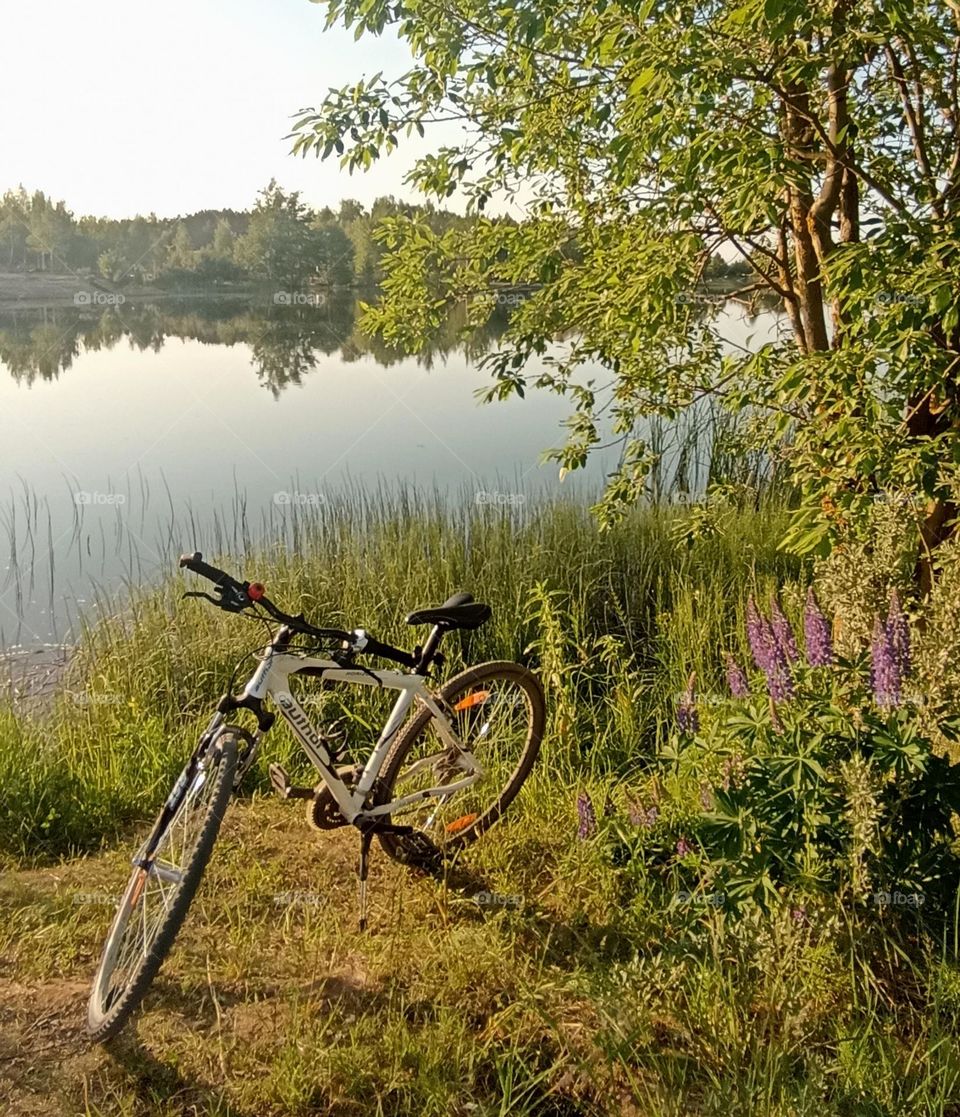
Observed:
{"x":497,"y":712}
{"x":161,"y":888}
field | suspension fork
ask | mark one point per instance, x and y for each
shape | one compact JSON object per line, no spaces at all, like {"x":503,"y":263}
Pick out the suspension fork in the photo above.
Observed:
{"x":172,"y":803}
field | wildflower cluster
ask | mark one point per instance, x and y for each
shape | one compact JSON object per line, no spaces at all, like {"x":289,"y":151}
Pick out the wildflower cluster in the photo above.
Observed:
{"x":687,"y":717}
{"x":779,"y":809}
{"x":890,"y":655}
{"x":773,"y":646}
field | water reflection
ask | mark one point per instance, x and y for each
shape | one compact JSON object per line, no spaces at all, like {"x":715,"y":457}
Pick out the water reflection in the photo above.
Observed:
{"x":146,"y":433}
{"x":285,"y":342}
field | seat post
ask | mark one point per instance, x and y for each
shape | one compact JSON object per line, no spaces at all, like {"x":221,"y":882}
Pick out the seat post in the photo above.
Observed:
{"x":430,"y":649}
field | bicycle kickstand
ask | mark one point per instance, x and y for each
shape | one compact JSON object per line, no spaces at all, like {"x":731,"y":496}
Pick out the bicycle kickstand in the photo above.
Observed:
{"x":365,"y":839}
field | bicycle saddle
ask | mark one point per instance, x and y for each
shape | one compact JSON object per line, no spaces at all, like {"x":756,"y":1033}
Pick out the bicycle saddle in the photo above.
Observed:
{"x":458,"y":611}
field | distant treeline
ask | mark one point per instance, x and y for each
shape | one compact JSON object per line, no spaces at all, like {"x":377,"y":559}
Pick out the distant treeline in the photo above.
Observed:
{"x":280,"y":240}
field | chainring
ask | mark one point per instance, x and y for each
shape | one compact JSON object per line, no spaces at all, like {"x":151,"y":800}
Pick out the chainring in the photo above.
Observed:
{"x":323,"y":811}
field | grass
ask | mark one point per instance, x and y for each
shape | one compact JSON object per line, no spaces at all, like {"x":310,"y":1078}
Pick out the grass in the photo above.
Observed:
{"x":614,"y":622}
{"x":594,"y":994}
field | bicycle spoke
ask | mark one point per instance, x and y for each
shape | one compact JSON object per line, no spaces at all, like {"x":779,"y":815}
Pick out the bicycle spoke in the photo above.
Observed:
{"x":491,"y":722}
{"x":152,"y":900}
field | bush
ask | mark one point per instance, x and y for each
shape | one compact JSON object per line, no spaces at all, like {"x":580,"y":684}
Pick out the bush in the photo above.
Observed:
{"x":817,"y":779}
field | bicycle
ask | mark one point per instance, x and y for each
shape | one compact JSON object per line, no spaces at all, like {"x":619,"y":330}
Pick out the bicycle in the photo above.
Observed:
{"x":423,"y":771}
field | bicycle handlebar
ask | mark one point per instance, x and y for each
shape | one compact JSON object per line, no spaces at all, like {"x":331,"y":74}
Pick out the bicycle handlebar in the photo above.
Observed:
{"x":195,"y":563}
{"x":235,"y":596}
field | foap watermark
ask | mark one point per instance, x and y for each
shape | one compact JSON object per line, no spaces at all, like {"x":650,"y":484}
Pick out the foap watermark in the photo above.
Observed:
{"x":693,"y":298}
{"x":297,"y":899}
{"x":99,"y":298}
{"x":892,"y":298}
{"x":497,"y":900}
{"x":898,"y":899}
{"x":299,"y":298}
{"x":95,"y":899}
{"x":512,"y":298}
{"x":85,"y":698}
{"x":300,"y":500}
{"x":700,"y":899}
{"x":86,"y":496}
{"x":499,"y":500}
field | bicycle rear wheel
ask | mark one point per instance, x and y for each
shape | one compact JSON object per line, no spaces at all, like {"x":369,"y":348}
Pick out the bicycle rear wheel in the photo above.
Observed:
{"x":497,"y":710}
{"x":161,"y":888}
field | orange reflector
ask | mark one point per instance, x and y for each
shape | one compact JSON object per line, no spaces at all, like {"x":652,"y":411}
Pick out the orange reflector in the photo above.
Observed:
{"x":138,"y":889}
{"x":459,"y":824}
{"x":474,"y":699}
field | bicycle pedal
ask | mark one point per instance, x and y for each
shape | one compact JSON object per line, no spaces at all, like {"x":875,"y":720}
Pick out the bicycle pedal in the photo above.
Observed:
{"x":284,"y":788}
{"x":418,"y":850}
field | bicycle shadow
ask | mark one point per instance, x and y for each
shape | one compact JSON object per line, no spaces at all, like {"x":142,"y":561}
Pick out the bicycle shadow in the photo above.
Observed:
{"x":559,"y":943}
{"x":451,"y":873}
{"x":150,"y":1077}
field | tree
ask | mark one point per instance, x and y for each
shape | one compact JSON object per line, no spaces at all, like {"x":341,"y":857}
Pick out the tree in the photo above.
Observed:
{"x":819,"y":143}
{"x":14,"y":208}
{"x":281,"y":244}
{"x":224,"y":241}
{"x":180,"y":251}
{"x":335,"y":264}
{"x":51,"y":228}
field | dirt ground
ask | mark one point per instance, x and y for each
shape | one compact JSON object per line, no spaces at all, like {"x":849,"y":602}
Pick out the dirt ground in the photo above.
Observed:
{"x":271,"y":941}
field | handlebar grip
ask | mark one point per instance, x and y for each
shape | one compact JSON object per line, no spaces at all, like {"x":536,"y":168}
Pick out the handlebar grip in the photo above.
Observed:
{"x":195,"y":563}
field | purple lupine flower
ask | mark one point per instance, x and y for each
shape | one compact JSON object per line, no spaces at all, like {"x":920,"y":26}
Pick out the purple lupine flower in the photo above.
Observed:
{"x":816,"y":633}
{"x":706,"y":797}
{"x":898,"y":633}
{"x":642,"y":816}
{"x":780,"y":682}
{"x":737,"y":679}
{"x":760,"y":636}
{"x":587,"y":818}
{"x":783,"y":632}
{"x":732,"y":771}
{"x":683,"y":847}
{"x":884,"y":668}
{"x":770,"y":653}
{"x":688,"y":718}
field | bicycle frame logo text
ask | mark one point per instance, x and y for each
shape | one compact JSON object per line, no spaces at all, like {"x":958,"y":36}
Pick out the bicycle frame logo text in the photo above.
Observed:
{"x":301,"y":726}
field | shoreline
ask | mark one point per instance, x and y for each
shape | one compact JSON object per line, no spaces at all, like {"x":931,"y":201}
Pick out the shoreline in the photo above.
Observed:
{"x":34,"y":291}
{"x":19,"y":292}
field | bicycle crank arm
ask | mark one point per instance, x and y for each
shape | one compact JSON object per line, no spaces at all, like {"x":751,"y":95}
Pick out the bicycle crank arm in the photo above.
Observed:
{"x":284,"y":788}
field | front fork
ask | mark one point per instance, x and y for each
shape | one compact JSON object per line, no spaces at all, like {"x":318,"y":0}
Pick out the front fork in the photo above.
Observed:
{"x":246,"y":761}
{"x":144,"y":855}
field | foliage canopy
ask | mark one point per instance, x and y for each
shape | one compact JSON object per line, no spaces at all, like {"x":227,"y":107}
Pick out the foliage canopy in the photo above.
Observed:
{"x":819,"y":143}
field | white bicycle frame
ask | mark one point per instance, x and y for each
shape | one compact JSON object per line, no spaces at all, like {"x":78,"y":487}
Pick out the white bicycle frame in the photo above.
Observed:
{"x":271,"y":679}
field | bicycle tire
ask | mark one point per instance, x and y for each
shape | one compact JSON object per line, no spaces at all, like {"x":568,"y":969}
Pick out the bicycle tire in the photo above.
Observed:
{"x":448,"y":694}
{"x":104,"y":1022}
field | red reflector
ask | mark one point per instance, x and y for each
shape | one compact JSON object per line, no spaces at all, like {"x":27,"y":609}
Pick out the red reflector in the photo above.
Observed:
{"x":474,"y":699}
{"x":255,"y":591}
{"x":461,"y":823}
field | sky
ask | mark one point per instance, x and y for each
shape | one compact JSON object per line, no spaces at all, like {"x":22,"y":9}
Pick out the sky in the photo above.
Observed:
{"x":133,"y":107}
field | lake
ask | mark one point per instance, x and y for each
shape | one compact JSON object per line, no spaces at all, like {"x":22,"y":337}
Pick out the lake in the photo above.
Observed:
{"x":134,"y":432}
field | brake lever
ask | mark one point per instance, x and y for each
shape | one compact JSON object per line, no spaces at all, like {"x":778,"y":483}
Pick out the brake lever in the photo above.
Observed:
{"x":235,"y":603}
